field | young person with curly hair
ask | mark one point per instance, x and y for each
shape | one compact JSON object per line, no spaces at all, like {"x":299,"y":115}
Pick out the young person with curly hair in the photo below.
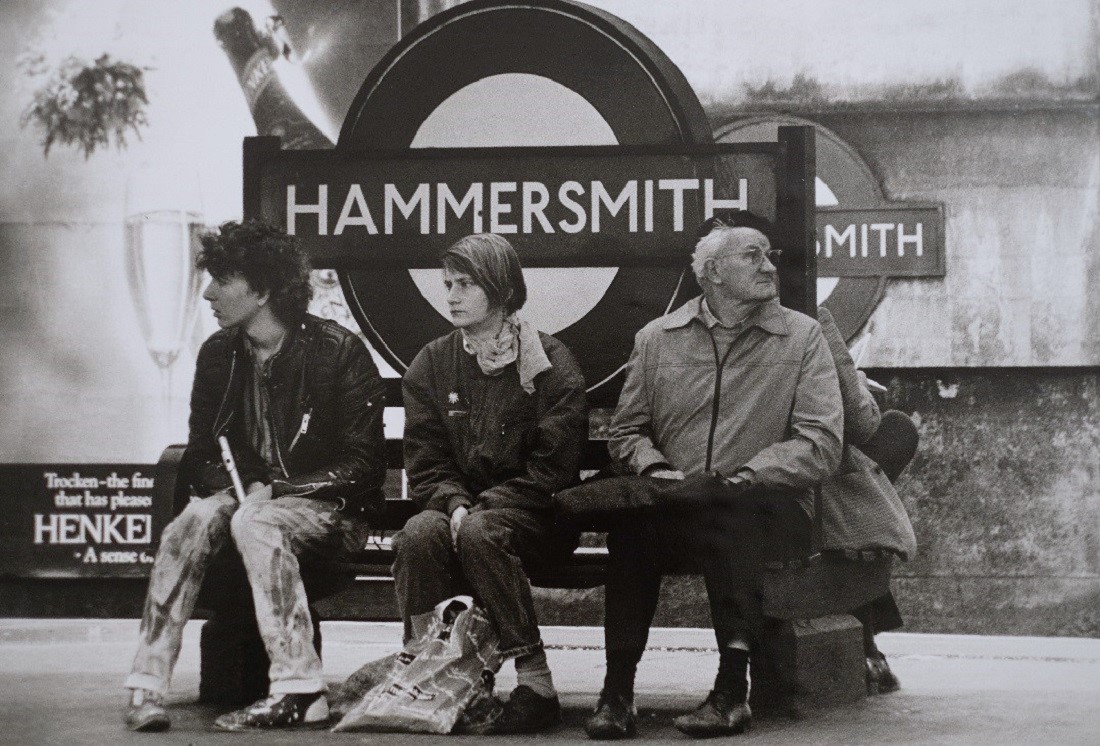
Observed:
{"x":300,"y":401}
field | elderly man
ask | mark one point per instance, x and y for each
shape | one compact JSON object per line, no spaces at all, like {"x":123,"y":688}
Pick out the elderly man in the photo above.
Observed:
{"x":738,"y":397}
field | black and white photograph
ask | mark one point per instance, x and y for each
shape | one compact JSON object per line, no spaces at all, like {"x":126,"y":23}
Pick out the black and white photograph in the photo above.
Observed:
{"x":391,"y":371}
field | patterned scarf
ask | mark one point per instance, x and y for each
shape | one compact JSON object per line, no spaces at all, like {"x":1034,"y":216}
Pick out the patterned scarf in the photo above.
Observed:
{"x":517,"y":342}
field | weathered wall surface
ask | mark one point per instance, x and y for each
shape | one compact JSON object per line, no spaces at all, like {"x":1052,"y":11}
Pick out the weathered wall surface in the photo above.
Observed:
{"x":1004,"y":495}
{"x":1020,"y":190}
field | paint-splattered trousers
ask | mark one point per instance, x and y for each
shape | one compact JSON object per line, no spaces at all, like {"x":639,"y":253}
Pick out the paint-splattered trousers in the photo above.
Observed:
{"x":270,"y":536}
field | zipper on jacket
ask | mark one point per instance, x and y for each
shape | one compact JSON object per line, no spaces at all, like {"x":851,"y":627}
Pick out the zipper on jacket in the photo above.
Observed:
{"x":301,"y":430}
{"x":721,"y":366}
{"x":225,"y":396}
{"x":275,"y":430}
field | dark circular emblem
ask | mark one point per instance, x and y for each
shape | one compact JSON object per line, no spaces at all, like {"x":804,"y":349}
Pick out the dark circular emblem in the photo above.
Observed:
{"x":635,"y":88}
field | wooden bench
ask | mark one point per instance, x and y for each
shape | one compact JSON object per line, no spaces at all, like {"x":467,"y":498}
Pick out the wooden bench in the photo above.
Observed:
{"x":811,"y":655}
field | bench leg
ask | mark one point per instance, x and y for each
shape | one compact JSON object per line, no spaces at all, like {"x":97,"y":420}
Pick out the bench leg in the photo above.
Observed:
{"x":807,"y":664}
{"x":233,"y":662}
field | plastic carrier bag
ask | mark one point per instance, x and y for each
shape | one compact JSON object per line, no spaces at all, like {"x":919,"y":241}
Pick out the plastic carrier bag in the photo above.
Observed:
{"x":450,"y":661}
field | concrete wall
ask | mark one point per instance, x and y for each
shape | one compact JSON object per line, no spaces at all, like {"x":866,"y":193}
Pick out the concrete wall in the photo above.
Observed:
{"x":1004,"y":494}
{"x":1005,"y":490}
{"x":1020,"y":188}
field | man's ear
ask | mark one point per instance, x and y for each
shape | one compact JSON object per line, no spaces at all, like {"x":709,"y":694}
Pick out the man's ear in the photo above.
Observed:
{"x":263,"y":298}
{"x":711,"y":273}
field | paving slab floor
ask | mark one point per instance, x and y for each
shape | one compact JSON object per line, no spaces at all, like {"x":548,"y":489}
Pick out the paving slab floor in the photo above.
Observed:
{"x":61,"y":684}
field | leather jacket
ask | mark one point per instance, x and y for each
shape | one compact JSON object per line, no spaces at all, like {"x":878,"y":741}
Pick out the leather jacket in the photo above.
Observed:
{"x":326,"y":401}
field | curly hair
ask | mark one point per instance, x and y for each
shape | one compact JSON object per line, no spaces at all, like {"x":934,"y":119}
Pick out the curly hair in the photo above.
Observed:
{"x":266,"y":257}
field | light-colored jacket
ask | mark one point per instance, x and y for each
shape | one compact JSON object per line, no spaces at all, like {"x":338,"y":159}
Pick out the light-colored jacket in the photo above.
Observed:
{"x":769,"y":403}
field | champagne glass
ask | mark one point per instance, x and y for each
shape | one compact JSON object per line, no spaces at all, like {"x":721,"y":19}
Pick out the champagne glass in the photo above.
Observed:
{"x":162,"y":227}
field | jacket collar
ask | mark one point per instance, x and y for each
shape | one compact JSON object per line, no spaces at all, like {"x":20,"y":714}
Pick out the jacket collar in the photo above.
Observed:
{"x":295,"y":334}
{"x":768,"y":316}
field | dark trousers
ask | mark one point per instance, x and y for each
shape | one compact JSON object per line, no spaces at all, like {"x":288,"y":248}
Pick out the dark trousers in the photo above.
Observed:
{"x":493,"y":548}
{"x":880,"y":615}
{"x":728,"y":545}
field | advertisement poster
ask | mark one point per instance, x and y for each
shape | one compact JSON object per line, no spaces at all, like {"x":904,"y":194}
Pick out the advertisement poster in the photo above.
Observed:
{"x":86,"y":520}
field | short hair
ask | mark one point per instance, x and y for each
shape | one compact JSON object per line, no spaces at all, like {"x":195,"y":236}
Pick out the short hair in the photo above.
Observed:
{"x":714,"y":242}
{"x":493,"y":265}
{"x":713,"y":232}
{"x":267,"y":258}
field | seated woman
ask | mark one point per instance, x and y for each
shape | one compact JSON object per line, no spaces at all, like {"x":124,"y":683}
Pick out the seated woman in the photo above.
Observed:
{"x":494,"y":424}
{"x":859,"y":507}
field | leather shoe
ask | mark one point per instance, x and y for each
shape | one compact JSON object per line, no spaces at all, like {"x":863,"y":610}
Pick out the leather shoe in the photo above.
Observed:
{"x":279,"y":711}
{"x":527,"y":712}
{"x":721,"y":714}
{"x":615,"y":718}
{"x":146,"y":713}
{"x":880,"y":679}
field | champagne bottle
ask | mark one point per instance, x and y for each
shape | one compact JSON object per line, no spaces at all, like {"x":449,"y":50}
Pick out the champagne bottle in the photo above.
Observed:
{"x":252,"y":54}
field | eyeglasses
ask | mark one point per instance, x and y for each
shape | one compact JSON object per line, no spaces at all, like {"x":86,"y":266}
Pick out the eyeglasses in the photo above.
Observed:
{"x":756,"y":256}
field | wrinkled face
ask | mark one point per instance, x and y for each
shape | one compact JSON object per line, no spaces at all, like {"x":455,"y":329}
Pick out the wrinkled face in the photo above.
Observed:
{"x":233,"y":300}
{"x":743,"y":268}
{"x":469,"y":305}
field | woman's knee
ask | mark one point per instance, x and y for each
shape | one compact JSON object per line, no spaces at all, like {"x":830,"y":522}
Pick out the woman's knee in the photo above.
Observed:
{"x":425,"y":533}
{"x":481,"y":535}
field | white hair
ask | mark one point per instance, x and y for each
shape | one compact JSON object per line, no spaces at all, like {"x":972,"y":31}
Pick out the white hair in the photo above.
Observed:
{"x":718,"y":241}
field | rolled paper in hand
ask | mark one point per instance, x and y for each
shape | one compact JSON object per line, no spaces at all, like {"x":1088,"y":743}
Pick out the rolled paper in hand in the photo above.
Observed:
{"x":231,"y":467}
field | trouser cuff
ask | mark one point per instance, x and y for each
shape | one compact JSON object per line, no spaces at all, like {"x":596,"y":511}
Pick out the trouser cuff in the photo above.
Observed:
{"x":297,"y":686}
{"x":521,"y":650}
{"x":147,"y":682}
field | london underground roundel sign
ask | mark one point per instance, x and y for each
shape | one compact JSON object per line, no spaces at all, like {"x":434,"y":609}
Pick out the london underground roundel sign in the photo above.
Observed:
{"x":639,"y":98}
{"x":554,"y":124}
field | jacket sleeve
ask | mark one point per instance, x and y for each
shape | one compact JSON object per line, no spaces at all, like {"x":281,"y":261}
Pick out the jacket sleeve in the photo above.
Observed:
{"x":553,"y":463}
{"x":201,"y":465}
{"x":358,"y":465}
{"x":631,"y":443}
{"x":435,"y":481}
{"x":861,"y":412}
{"x":812,"y":449}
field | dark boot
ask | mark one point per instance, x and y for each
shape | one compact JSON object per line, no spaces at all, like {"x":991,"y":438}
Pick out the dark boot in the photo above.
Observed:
{"x":615,"y":718}
{"x":721,"y":714}
{"x":527,"y":712}
{"x":880,"y":679}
